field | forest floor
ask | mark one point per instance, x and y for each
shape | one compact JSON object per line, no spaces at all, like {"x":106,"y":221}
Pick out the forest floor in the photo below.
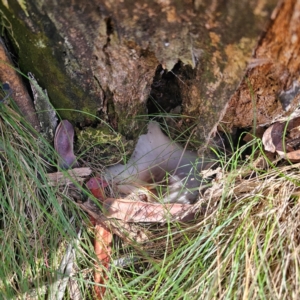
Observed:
{"x":243,"y":242}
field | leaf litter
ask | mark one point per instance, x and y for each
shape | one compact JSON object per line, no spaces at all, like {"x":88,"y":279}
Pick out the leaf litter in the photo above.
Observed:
{"x":264,"y":191}
{"x":271,"y":188}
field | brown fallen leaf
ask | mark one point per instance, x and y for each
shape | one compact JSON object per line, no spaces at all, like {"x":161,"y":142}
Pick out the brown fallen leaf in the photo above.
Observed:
{"x":102,"y":241}
{"x":126,"y":231}
{"x":102,"y":247}
{"x":295,"y":131}
{"x":284,"y":139}
{"x":63,"y":144}
{"x":293,"y":156}
{"x":138,"y":211}
{"x":273,"y":136}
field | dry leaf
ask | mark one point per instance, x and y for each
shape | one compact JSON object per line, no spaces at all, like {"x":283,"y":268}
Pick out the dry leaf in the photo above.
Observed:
{"x":137,"y":211}
{"x":284,"y":139}
{"x":96,"y":185}
{"x":126,"y":233}
{"x":102,"y":247}
{"x":273,"y":136}
{"x":63,"y":144}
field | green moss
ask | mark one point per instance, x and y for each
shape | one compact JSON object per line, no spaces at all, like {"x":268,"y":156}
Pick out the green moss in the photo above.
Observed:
{"x":97,"y":136}
{"x":44,"y":58}
{"x":102,"y":145}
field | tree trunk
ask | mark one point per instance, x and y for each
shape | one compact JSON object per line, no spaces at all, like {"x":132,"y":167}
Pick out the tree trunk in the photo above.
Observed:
{"x":270,"y":90}
{"x":106,"y":58}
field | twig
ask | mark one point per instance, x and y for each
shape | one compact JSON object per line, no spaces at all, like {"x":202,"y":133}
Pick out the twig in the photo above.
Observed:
{"x":57,"y":289}
{"x":68,"y":177}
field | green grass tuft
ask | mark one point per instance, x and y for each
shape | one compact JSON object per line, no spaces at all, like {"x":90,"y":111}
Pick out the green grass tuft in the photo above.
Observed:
{"x":244,"y":244}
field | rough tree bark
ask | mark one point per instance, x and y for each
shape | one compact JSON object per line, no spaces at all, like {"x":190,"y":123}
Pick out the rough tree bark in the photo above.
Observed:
{"x":270,"y":90}
{"x":106,"y":57}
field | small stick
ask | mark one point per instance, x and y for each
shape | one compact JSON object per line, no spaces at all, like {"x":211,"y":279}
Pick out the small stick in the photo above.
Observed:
{"x":68,"y":177}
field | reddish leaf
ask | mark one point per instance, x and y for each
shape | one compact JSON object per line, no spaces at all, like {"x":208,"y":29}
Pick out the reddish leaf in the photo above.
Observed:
{"x":96,"y":185}
{"x":102,"y":246}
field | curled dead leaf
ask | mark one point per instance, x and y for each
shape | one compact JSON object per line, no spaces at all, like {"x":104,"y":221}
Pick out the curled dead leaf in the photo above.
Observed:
{"x":273,"y":136}
{"x":284,"y":138}
{"x":63,"y":144}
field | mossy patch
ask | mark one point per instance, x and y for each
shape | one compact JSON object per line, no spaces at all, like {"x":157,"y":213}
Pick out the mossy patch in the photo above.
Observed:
{"x":102,"y":145}
{"x":43,"y":57}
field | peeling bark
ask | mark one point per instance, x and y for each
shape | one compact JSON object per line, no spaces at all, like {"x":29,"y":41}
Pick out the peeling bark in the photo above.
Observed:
{"x":270,"y":90}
